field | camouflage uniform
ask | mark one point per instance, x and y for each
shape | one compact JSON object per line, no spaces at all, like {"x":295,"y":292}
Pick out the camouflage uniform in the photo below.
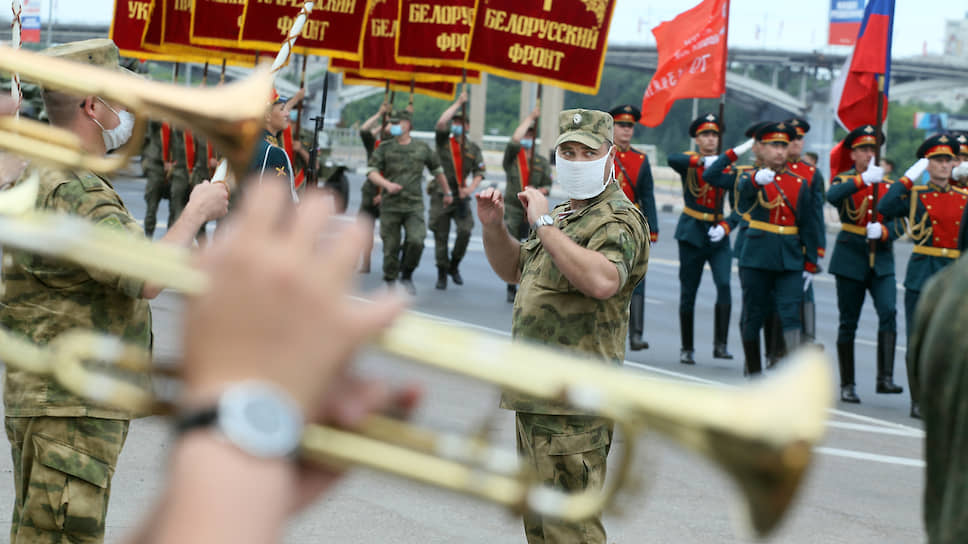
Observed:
{"x":178,"y":180}
{"x":369,"y":190}
{"x":403,"y":164}
{"x":65,"y":448}
{"x":472,"y":164}
{"x":539,"y":176}
{"x":568,"y":448}
{"x":156,"y":186}
{"x":937,"y":347}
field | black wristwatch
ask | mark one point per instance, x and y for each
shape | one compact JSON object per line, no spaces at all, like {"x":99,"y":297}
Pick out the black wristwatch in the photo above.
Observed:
{"x":260,"y":419}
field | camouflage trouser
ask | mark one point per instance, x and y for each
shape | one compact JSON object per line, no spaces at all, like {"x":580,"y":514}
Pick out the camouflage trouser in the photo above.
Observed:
{"x":415,"y":231}
{"x":156,"y":188}
{"x":62,"y":469}
{"x":440,"y":217}
{"x":179,"y":194}
{"x":367,"y":193}
{"x":567,"y":453}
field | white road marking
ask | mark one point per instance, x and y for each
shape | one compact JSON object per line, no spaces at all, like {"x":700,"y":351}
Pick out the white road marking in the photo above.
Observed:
{"x":851,"y":454}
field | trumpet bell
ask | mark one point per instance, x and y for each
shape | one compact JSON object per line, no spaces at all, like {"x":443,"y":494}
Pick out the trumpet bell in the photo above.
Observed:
{"x":230,"y":117}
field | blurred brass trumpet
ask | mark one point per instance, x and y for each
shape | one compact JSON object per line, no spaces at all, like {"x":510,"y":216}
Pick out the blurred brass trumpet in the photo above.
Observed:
{"x":230,"y":117}
{"x":761,"y":435}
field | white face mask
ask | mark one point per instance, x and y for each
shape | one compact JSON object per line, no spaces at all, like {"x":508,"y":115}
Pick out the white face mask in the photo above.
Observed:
{"x":584,"y":179}
{"x":119,"y":135}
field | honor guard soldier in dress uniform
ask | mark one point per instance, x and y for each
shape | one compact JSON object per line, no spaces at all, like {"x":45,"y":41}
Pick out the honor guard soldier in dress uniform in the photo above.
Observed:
{"x":939,"y":349}
{"x":703,"y":236}
{"x":269,"y":161}
{"x":934,"y":213}
{"x":523,"y":168}
{"x":808,"y":313}
{"x":855,"y":193}
{"x":397,"y":166}
{"x":577,"y":272}
{"x":64,"y":447}
{"x":634,"y":174}
{"x":460,"y":159}
{"x":779,"y":256}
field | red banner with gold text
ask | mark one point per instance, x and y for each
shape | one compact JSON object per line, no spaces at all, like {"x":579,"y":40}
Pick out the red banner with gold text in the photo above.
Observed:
{"x":217,"y":22}
{"x":434,"y":33}
{"x":334,"y":28}
{"x":169,"y":32}
{"x":560,"y":42}
{"x":436,"y":89}
{"x":128,"y":27}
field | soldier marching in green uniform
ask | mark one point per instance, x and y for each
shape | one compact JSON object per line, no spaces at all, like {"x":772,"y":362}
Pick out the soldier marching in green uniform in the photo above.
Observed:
{"x":779,"y":255}
{"x":934,"y":213}
{"x":703,"y":236}
{"x":855,"y":193}
{"x":524,"y":168}
{"x":938,"y":348}
{"x":397,"y":166}
{"x":808,"y":312}
{"x":457,"y":154}
{"x":177,"y":170}
{"x":65,"y":448}
{"x":634,"y":175}
{"x":577,"y":272}
{"x":156,"y":184}
{"x":370,"y":135}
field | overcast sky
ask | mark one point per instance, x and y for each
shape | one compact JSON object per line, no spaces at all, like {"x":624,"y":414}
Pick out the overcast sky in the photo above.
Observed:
{"x":775,"y":24}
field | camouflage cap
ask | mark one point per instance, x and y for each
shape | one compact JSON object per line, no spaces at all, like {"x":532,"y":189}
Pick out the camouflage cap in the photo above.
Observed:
{"x":588,"y":127}
{"x":400,"y":115}
{"x":100,"y":52}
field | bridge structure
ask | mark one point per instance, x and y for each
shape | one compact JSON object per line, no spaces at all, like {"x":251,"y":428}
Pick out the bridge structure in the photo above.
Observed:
{"x":768,"y":83}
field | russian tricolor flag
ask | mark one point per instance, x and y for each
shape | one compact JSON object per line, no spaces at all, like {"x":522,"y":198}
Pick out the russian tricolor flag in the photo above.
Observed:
{"x":857,"y":86}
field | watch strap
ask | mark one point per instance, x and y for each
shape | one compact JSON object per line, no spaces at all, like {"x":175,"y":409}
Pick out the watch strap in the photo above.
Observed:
{"x":195,"y":419}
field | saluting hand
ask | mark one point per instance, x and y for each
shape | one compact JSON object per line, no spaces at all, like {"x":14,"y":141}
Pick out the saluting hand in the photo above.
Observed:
{"x":490,"y":207}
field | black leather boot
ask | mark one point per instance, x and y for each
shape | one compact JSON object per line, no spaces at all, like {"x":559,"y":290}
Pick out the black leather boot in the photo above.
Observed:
{"x":845,"y":357}
{"x":792,"y":340}
{"x":773,"y":339}
{"x":686,"y":322}
{"x":441,"y":278}
{"x":721,"y":331}
{"x":752,"y":366}
{"x":808,"y":322}
{"x":636,"y":323}
{"x":455,"y":274}
{"x":512,"y":292}
{"x":885,"y":363}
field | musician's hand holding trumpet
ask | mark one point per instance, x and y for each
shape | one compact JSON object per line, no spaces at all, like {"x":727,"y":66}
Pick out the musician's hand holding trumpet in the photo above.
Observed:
{"x":276,"y":314}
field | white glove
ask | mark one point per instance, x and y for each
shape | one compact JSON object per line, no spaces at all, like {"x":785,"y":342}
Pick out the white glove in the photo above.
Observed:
{"x":915,"y":171}
{"x":875,"y":231}
{"x":716,"y":233}
{"x":873,"y":174}
{"x":765,"y":176}
{"x":807,"y":280}
{"x":708,"y":161}
{"x":743,"y":147}
{"x":960,"y":172}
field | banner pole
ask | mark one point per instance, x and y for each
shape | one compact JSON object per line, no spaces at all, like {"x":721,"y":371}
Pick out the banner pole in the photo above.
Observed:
{"x":16,"y":42}
{"x":534,"y":144}
{"x":872,"y":244}
{"x":302,"y":85}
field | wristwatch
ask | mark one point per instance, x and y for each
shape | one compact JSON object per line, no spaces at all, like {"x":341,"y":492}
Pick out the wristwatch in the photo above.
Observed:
{"x":543,"y":221}
{"x":258,"y":418}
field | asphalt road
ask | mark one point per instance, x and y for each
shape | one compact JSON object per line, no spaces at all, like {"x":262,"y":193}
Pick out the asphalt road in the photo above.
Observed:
{"x":864,"y":486}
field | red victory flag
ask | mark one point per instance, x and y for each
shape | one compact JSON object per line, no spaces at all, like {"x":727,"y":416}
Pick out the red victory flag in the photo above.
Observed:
{"x":216,"y":22}
{"x":334,"y":28}
{"x":128,"y":27}
{"x":437,"y":89}
{"x":434,"y":34}
{"x":378,"y":60}
{"x":561,"y":42}
{"x":692,"y":59}
{"x":856,"y":93}
{"x":169,"y":32}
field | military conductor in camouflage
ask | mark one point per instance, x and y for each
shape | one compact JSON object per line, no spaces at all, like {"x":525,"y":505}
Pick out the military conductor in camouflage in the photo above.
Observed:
{"x":64,"y":447}
{"x":397,"y":166}
{"x":576,"y":271}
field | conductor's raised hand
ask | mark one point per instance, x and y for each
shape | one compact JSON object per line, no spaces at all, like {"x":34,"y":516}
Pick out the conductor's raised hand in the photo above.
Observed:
{"x":490,"y":207}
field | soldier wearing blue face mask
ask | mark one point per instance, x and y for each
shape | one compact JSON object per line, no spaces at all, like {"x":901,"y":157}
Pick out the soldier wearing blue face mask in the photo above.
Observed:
{"x":522,"y":172}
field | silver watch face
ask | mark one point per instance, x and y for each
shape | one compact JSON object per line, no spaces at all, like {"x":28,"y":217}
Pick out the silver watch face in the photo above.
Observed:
{"x":260,"y":419}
